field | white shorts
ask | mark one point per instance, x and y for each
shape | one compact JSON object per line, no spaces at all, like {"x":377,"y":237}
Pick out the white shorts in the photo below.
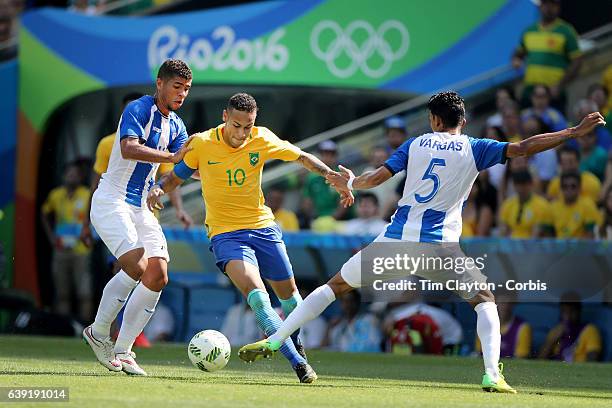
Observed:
{"x":124,"y":227}
{"x":352,"y":274}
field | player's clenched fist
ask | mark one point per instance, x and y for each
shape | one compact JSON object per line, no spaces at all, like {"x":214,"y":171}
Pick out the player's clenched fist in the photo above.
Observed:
{"x":154,"y":198}
{"x":589,"y":123}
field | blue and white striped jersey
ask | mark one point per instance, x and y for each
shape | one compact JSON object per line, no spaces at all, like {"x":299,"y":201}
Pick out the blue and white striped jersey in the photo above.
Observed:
{"x":440,"y":170}
{"x":142,"y":119}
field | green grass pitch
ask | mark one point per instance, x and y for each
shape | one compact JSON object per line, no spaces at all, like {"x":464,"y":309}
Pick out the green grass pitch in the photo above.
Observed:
{"x":345,"y":380}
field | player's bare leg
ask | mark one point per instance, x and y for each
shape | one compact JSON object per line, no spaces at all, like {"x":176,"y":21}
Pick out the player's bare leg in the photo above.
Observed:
{"x":115,"y":293}
{"x":247,"y":279}
{"x":139,"y":310}
{"x":488,"y":329}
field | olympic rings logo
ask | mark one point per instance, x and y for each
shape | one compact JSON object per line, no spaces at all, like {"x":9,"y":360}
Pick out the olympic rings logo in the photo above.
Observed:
{"x":360,"y":55}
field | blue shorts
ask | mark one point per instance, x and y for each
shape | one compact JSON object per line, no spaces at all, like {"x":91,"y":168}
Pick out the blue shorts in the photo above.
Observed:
{"x":262,"y":247}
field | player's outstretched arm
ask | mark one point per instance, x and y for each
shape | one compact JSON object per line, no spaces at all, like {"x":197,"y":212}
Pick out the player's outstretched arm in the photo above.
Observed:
{"x":538,"y":143}
{"x":314,"y":164}
{"x":347,"y":180}
{"x":166,"y":184}
{"x":131,"y":149}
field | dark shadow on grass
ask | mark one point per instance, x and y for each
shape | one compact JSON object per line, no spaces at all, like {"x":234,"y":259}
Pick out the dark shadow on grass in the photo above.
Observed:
{"x":223,"y":380}
{"x":565,"y":394}
{"x":35,"y":373}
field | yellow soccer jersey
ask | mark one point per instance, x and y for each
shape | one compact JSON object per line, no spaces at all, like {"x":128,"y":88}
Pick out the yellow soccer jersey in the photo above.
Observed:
{"x":287,"y":220}
{"x":69,"y":213}
{"x":589,"y":341}
{"x":574,"y":221}
{"x":231,"y":177}
{"x":521,"y":220}
{"x":590,"y":186}
{"x":103,"y":152}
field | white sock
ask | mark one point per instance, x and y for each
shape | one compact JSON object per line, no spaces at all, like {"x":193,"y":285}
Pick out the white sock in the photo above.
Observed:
{"x":311,"y":307}
{"x":488,"y":329}
{"x":114,"y":296}
{"x":138,"y":311}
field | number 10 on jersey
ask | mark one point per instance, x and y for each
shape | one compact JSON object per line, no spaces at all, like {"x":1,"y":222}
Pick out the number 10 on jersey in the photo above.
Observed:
{"x":236,"y":177}
{"x":431,"y":175}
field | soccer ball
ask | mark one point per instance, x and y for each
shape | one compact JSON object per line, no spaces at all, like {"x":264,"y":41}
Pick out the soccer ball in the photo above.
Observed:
{"x":209,"y":350}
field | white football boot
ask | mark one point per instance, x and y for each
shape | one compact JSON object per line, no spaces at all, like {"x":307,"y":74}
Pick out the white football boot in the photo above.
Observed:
{"x":103,"y":349}
{"x":129,"y":365}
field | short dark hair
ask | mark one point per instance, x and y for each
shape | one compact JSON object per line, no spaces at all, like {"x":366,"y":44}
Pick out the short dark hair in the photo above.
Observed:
{"x":242,"y":102}
{"x":546,"y":89}
{"x":508,"y":90}
{"x":543,"y":127}
{"x":498,"y":129}
{"x":570,"y":150}
{"x":593,"y":87}
{"x":571,"y":298}
{"x":132,"y":96}
{"x":368,"y":196}
{"x":174,"y":68}
{"x":71,"y":164}
{"x":521,"y":177}
{"x":570,"y":175}
{"x":449,"y":107}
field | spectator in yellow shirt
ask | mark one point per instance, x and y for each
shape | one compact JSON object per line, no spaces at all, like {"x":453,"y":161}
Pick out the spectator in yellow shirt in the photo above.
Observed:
{"x":286,"y":219}
{"x":515,"y":332}
{"x":574,"y":216}
{"x":62,"y":214}
{"x":569,"y":161}
{"x":572,"y":340}
{"x":525,"y":215}
{"x":605,"y":228}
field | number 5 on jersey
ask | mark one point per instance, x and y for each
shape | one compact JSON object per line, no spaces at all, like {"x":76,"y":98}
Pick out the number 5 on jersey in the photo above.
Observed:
{"x":431,"y":175}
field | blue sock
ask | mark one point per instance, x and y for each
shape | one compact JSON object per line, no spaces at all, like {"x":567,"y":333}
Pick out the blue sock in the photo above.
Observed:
{"x":288,"y":305}
{"x":269,"y":321}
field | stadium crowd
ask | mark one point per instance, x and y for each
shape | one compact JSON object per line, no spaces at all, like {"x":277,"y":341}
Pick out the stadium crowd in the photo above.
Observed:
{"x":565,"y":193}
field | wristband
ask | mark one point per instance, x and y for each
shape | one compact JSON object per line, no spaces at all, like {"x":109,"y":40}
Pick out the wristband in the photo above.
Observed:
{"x":349,"y":183}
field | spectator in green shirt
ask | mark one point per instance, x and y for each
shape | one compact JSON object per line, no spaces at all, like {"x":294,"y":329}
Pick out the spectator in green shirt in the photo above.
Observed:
{"x":320,"y":196}
{"x":550,"y":52}
{"x":593,"y":158}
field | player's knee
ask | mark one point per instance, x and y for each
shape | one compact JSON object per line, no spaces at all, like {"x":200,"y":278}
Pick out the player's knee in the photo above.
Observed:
{"x":135,"y":271}
{"x":155,"y":282}
{"x":156,"y":275}
{"x":163,"y":280}
{"x":339,"y":285}
{"x":481,"y":297}
{"x":134,"y":263}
